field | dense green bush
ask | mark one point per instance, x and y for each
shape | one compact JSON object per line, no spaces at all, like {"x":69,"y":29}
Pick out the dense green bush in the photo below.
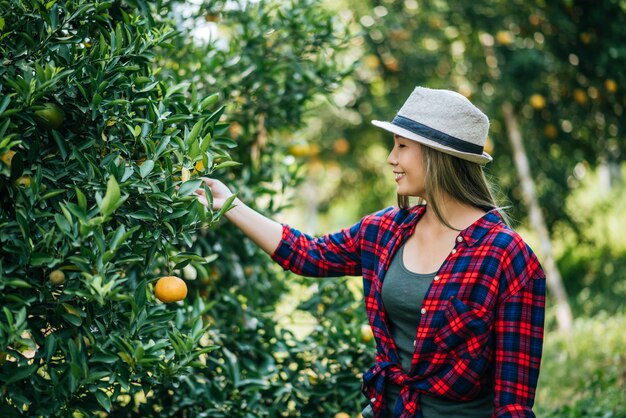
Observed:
{"x":100,"y":144}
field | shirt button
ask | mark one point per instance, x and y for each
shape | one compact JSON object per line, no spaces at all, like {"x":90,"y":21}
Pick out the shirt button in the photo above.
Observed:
{"x":423,"y":311}
{"x":454,"y":251}
{"x":436,"y":278}
{"x":459,"y":238}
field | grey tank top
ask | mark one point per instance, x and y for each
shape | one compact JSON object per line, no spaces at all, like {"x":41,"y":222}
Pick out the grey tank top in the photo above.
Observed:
{"x":402,"y":293}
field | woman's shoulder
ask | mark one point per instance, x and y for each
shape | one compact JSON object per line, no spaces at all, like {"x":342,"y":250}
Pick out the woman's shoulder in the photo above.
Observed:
{"x":505,"y":237}
{"x":518,"y":262}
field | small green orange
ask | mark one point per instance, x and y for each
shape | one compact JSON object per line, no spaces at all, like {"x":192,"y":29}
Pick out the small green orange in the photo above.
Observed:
{"x":50,"y":117}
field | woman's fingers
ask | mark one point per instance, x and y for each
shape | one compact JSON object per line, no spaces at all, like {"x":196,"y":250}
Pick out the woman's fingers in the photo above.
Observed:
{"x":208,"y":181}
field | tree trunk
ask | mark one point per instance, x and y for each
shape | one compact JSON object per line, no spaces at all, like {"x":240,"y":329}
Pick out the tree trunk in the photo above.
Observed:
{"x":553,"y":276}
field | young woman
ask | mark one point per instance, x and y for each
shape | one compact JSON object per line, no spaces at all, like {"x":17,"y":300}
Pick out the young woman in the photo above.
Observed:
{"x":454,"y":297}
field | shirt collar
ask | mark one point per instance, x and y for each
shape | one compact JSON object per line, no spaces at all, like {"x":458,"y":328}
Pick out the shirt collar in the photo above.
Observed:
{"x":471,"y":235}
{"x":476,"y":231}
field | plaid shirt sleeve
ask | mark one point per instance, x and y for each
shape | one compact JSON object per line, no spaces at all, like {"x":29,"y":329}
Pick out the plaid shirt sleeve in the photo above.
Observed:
{"x":519,"y":334}
{"x":331,"y":255}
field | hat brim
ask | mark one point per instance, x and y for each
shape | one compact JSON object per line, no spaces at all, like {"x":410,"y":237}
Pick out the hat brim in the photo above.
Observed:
{"x":390,"y":127}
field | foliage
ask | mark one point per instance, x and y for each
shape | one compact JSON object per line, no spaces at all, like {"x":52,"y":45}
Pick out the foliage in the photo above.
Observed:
{"x":594,"y":265}
{"x":106,"y":206}
{"x":592,"y":364}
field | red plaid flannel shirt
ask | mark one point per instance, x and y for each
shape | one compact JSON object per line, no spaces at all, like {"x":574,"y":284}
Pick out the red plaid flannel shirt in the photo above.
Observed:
{"x":482,"y":316}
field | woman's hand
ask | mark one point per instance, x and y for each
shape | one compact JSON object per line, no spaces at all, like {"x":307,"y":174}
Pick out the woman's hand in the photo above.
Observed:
{"x":219,"y":191}
{"x":265,"y":232}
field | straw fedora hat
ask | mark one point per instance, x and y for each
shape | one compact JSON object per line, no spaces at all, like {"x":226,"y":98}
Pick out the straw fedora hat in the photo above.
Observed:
{"x":444,"y":120}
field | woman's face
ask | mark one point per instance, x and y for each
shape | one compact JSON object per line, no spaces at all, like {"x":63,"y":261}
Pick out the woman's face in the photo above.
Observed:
{"x":408,"y":168}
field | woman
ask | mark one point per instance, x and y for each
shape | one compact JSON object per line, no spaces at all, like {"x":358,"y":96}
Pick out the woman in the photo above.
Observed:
{"x":454,"y":297}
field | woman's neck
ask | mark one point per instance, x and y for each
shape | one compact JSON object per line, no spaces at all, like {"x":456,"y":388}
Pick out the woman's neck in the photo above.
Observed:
{"x":459,"y":215}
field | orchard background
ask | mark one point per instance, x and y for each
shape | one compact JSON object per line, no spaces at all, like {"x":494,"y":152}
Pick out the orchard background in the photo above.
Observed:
{"x":110,"y":111}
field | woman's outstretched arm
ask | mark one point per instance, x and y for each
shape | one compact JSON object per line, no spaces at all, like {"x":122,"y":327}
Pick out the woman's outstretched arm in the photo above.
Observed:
{"x":265,"y":232}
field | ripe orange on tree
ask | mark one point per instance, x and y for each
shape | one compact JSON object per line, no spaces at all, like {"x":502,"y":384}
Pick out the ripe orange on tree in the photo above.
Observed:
{"x":610,"y":85}
{"x":7,"y":157}
{"x":170,"y":289}
{"x":23,"y":181}
{"x":366,"y":333}
{"x":57,"y":277}
{"x":580,"y":96}
{"x":537,"y":101}
{"x":342,"y":415}
{"x":341,"y":146}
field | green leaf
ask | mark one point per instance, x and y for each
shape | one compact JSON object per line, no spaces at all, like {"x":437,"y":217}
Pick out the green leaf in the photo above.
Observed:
{"x":111,"y":197}
{"x":146,"y":168}
{"x":17,"y":166}
{"x":103,"y":400}
{"x":18,"y":283}
{"x":5,"y":100}
{"x":210,"y":100}
{"x":188,"y":187}
{"x":72,"y":319}
{"x":226,"y":164}
{"x":225,"y":208}
{"x":195,"y":131}
{"x":82,"y":201}
{"x":21,"y":373}
{"x":104,"y":358}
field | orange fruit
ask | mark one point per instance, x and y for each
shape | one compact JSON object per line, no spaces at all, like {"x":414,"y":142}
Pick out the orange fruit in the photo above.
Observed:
{"x":580,"y":96}
{"x":342,"y":415}
{"x":23,"y":181}
{"x":7,"y":157}
{"x":170,"y":289}
{"x":366,"y":333}
{"x":537,"y":101}
{"x":57,"y":277}
{"x":585,"y":38}
{"x":50,"y":117}
{"x":300,"y":150}
{"x":551,"y":131}
{"x":610,"y":85}
{"x":504,"y":37}
{"x":341,"y":146}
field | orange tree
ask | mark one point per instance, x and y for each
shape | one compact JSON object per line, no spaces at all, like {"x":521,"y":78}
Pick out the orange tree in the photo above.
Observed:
{"x":95,"y":205}
{"x":108,"y":112}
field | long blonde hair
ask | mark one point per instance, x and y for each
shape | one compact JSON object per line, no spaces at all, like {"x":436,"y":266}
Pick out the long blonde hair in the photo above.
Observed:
{"x":463,"y":180}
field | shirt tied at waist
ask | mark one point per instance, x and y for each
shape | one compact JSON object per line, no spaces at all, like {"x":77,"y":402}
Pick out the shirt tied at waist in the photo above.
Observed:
{"x":386,"y":372}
